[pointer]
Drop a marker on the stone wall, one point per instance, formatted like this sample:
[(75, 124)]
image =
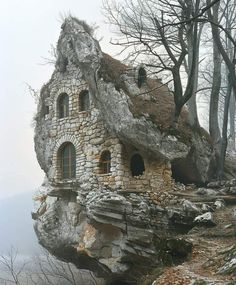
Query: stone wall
[(87, 132)]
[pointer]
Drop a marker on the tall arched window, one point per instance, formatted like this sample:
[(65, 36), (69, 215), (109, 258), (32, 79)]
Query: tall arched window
[(84, 103), (63, 106), (105, 162), (142, 76), (137, 165), (68, 161)]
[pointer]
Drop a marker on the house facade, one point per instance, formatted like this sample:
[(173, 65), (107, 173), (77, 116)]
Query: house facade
[(79, 146)]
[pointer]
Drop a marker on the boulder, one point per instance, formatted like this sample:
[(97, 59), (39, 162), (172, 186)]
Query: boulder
[(205, 220)]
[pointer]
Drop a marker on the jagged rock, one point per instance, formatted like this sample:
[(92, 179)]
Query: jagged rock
[(206, 192), (229, 267), (215, 184), (190, 207), (231, 182), (232, 190), (108, 233), (234, 214), (205, 220), (222, 183), (224, 191), (219, 204), (206, 208)]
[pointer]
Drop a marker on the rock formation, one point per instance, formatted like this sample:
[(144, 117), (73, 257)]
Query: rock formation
[(113, 223)]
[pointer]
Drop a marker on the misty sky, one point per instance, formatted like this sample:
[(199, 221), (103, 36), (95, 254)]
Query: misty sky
[(27, 30)]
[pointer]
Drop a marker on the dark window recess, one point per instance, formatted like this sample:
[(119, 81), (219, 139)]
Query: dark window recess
[(84, 103), (68, 161), (142, 76), (63, 105), (137, 165), (44, 110), (105, 162)]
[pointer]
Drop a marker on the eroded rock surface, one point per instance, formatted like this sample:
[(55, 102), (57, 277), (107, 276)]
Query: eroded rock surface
[(109, 233), (124, 236)]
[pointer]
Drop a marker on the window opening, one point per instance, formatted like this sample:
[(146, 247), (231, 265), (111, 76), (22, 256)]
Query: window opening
[(63, 105), (84, 103), (142, 76), (137, 165), (105, 162), (68, 161)]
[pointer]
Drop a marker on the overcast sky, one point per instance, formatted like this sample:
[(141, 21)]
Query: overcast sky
[(27, 30)]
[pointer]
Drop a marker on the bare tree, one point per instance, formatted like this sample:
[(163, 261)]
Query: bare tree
[(43, 269), (50, 271), (8, 264), (168, 34), (192, 105), (222, 19)]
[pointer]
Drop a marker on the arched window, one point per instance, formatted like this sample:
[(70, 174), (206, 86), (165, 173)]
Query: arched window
[(142, 76), (63, 106), (105, 162), (68, 161), (137, 165), (84, 103)]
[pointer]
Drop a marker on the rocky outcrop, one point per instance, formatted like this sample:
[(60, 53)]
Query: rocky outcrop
[(116, 234), (124, 236), (109, 233)]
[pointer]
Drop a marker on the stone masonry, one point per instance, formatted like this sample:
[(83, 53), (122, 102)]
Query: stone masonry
[(88, 133)]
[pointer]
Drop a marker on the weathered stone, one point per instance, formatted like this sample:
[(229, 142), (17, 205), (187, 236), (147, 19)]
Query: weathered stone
[(110, 228), (232, 190), (229, 267), (206, 208), (219, 204), (190, 207), (205, 220), (206, 192)]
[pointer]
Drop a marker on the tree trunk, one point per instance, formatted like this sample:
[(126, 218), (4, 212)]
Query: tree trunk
[(192, 103), (214, 103), (229, 59), (232, 111), (224, 130)]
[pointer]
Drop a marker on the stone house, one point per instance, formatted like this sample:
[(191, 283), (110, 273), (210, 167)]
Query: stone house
[(84, 150), (102, 126), (75, 143)]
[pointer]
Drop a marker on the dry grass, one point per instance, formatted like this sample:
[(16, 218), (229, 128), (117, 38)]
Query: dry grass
[(111, 69), (154, 100)]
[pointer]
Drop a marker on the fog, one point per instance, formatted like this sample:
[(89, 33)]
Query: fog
[(28, 29)]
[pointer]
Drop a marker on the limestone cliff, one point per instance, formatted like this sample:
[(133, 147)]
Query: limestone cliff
[(97, 213)]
